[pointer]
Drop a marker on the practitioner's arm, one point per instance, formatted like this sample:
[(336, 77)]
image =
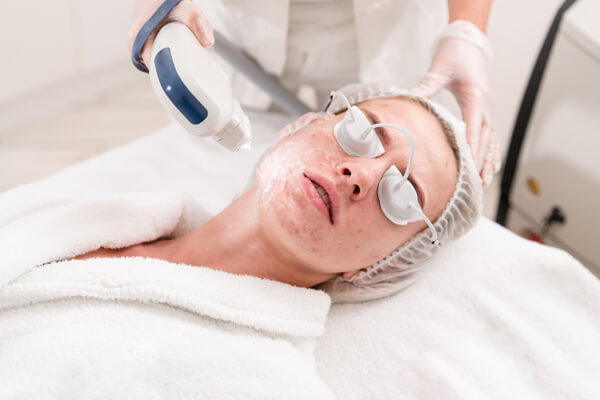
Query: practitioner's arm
[(475, 11)]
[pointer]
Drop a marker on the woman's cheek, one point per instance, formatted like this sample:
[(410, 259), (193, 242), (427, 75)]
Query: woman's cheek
[(296, 235), (366, 237), (280, 196), (274, 177)]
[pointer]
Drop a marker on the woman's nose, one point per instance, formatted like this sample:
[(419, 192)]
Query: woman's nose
[(360, 177)]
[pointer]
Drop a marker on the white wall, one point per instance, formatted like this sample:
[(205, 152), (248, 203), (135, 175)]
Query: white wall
[(516, 30), (102, 28), (49, 42), (37, 42)]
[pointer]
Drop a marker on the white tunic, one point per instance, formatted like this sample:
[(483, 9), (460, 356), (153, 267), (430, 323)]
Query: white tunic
[(334, 61), (311, 41)]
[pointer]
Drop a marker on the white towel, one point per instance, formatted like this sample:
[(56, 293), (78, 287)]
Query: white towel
[(139, 328), (52, 229)]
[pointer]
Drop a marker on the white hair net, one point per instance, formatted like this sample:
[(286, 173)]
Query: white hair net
[(398, 270)]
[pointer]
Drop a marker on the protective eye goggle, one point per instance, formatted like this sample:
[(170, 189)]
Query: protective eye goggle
[(398, 198)]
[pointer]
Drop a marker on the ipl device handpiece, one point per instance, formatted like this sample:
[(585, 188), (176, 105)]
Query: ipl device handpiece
[(195, 89)]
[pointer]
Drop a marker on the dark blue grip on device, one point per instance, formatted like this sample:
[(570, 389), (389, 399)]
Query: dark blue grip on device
[(175, 89)]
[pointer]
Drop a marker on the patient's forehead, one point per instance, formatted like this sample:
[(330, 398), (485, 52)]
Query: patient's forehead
[(416, 116), (405, 112), (419, 119)]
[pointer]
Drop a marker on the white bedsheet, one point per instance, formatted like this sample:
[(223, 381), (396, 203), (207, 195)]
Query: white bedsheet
[(494, 317)]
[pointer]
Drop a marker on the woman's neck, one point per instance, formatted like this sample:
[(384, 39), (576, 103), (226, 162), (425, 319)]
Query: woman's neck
[(234, 242)]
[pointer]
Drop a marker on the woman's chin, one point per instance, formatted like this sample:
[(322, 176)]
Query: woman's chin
[(297, 227)]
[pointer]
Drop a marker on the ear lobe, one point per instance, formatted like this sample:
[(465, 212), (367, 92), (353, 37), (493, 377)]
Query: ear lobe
[(350, 274)]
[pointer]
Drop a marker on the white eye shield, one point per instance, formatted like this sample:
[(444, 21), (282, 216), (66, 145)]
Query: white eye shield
[(398, 270)]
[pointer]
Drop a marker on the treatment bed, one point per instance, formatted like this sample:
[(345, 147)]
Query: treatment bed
[(493, 317)]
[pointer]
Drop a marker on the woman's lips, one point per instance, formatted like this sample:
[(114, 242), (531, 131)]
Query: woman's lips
[(315, 197)]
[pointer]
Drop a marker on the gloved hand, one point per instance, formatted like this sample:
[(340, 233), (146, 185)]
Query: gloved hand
[(460, 64), (185, 12)]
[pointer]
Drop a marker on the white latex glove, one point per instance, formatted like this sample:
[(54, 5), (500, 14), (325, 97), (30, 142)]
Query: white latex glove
[(460, 63), (185, 12)]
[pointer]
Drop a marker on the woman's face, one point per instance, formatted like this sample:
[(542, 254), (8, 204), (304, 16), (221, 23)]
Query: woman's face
[(357, 233)]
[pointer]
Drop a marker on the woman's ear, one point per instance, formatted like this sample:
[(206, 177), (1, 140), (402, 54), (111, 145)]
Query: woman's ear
[(350, 274)]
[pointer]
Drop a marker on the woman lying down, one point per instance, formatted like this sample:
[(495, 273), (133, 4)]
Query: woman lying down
[(353, 202)]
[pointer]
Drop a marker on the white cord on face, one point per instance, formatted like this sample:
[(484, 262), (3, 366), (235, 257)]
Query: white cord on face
[(398, 185), (412, 147), (434, 235), (332, 95)]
